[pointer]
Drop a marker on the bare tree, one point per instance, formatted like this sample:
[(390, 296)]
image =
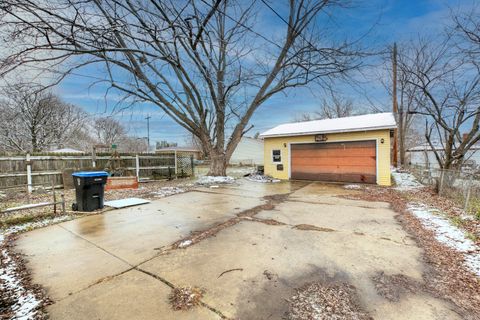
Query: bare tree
[(203, 62), (133, 144), (108, 131), (35, 120), (450, 98), (336, 107), (333, 106), (409, 98)]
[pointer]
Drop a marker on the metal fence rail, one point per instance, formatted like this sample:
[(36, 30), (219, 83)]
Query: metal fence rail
[(460, 186)]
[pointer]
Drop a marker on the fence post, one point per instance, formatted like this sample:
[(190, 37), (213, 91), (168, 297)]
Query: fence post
[(63, 202), (94, 157), (192, 166), (54, 197), (29, 174), (137, 167), (176, 166), (467, 198)]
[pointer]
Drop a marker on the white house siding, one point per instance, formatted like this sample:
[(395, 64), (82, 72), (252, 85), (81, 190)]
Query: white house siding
[(248, 152), (427, 158)]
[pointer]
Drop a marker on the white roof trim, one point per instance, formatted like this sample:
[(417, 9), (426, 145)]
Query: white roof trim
[(367, 122)]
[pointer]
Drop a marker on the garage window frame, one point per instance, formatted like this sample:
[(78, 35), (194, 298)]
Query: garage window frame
[(279, 155)]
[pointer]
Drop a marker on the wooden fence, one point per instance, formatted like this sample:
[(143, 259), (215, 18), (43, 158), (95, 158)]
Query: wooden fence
[(43, 170)]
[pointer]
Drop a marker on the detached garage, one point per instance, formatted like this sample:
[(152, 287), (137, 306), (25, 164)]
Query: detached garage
[(352, 149)]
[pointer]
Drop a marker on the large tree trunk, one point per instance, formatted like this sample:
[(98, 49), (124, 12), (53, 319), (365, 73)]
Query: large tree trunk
[(218, 164)]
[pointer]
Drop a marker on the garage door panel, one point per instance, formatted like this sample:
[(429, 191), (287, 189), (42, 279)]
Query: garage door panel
[(350, 162), (338, 161), (350, 152), (336, 177), (336, 169)]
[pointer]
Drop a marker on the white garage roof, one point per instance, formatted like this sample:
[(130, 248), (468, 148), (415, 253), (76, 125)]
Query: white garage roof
[(367, 122)]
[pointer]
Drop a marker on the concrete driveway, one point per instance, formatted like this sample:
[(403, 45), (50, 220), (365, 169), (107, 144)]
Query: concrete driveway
[(122, 265)]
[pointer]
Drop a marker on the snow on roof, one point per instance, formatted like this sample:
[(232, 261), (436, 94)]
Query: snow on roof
[(365, 122), (66, 150), (180, 149)]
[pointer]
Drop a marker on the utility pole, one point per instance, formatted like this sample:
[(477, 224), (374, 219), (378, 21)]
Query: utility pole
[(395, 103), (148, 132)]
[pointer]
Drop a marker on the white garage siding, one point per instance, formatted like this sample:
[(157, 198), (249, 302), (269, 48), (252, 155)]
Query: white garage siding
[(248, 152)]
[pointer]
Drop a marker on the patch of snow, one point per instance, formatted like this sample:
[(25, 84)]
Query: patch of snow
[(26, 304), (185, 243), (405, 181), (35, 224), (261, 178), (352, 186), (208, 180), (346, 124), (167, 191), (448, 234), (240, 170)]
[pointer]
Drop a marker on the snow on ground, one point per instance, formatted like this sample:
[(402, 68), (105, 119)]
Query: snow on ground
[(185, 243), (448, 234), (26, 304), (261, 178), (352, 186), (209, 180), (167, 191), (405, 181)]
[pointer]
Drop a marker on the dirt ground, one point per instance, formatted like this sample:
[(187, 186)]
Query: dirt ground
[(290, 250)]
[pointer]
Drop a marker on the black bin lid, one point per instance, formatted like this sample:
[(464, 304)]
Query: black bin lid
[(90, 174)]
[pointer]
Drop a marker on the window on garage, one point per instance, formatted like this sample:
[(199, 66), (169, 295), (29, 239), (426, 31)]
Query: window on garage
[(276, 156)]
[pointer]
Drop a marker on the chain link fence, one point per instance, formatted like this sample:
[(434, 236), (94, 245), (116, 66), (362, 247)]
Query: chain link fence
[(460, 186)]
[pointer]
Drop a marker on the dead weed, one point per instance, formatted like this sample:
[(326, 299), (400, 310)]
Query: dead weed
[(325, 301), (185, 298)]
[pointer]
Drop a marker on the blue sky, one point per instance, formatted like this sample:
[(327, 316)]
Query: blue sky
[(392, 20)]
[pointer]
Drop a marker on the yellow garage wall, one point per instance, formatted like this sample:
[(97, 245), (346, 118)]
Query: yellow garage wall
[(282, 143)]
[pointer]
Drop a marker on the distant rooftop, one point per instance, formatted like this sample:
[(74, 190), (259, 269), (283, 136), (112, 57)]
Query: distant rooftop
[(182, 149), (367, 122)]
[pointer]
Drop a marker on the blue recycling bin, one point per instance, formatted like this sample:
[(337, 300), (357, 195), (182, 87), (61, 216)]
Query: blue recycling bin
[(89, 190)]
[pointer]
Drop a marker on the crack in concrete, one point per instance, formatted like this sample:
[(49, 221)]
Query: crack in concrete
[(224, 193), (272, 201), (309, 227), (334, 204)]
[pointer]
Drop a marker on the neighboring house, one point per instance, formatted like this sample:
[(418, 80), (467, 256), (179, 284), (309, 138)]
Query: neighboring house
[(249, 151), (195, 152), (350, 149), (67, 150), (424, 156)]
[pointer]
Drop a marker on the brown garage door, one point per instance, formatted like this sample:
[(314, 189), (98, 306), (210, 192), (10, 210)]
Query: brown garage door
[(353, 161)]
